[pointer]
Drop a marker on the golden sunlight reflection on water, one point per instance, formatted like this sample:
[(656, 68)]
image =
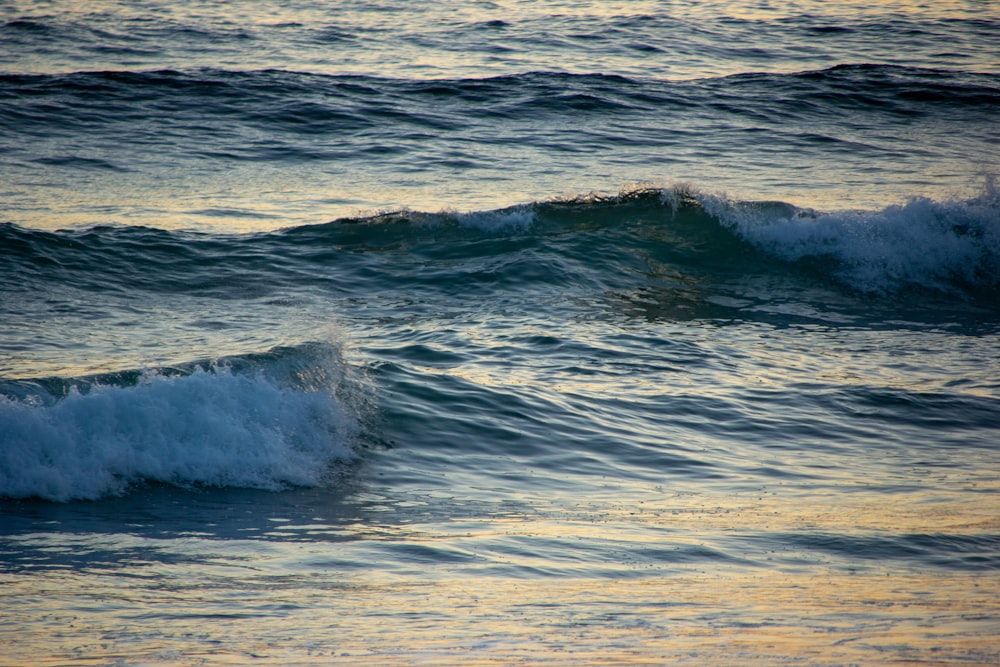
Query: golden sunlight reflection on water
[(516, 589), (705, 617)]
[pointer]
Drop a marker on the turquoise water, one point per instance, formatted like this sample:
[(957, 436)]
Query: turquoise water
[(561, 333)]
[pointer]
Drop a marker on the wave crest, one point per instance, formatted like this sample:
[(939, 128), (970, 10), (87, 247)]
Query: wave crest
[(941, 245), (214, 426)]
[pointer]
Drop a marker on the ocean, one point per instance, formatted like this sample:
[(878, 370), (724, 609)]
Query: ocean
[(491, 333)]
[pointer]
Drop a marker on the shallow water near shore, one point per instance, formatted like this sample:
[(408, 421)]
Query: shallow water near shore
[(562, 333)]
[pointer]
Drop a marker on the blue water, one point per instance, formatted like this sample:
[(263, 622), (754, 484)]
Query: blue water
[(566, 333)]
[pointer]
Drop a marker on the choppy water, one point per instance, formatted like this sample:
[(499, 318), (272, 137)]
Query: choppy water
[(384, 333)]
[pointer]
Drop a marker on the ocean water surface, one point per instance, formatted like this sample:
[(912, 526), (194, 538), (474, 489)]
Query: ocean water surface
[(499, 333)]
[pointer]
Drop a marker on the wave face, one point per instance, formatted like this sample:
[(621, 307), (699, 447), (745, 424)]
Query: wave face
[(67, 439)]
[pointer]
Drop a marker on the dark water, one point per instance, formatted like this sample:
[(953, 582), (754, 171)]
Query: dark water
[(245, 150), (385, 334)]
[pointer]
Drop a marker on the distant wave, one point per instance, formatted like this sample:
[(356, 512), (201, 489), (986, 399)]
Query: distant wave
[(223, 103), (951, 246), (341, 143), (238, 424)]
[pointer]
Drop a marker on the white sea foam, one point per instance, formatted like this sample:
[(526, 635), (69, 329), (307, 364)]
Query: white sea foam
[(513, 219), (923, 242), (214, 428)]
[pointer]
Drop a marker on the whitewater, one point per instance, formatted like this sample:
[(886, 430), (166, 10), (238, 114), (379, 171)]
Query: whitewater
[(492, 333)]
